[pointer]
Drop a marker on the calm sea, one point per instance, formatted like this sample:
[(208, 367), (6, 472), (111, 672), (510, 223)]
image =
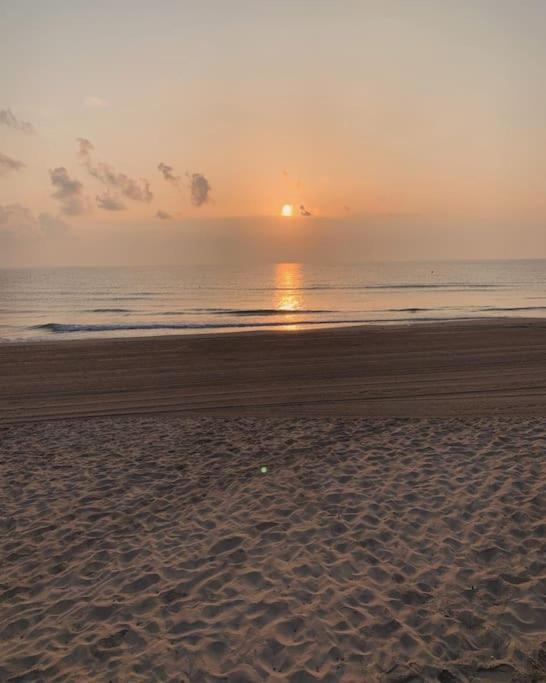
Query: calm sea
[(58, 303)]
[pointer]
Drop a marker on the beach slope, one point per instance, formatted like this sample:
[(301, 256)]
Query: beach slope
[(486, 367)]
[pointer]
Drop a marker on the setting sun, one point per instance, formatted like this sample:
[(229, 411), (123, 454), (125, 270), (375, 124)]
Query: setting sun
[(287, 210)]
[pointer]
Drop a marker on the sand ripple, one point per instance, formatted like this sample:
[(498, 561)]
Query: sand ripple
[(154, 549)]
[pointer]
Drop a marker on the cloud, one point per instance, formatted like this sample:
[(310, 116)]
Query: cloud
[(109, 202), (52, 225), (8, 118), (167, 172), (199, 188), (137, 190), (18, 218), (8, 164), (163, 215), (69, 192), (26, 238), (96, 103), (84, 152), (304, 211)]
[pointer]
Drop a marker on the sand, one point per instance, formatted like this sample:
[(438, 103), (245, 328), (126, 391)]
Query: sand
[(153, 548), (485, 367)]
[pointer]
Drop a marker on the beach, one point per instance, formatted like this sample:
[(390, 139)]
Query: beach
[(273, 342), (156, 548), (355, 504), (484, 367)]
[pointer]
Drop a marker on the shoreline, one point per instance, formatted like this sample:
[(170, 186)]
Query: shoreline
[(479, 367), (313, 327), (98, 332)]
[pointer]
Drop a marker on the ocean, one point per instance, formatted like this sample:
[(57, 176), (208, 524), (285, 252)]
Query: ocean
[(68, 303)]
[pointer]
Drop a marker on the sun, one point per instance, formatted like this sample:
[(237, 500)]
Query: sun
[(287, 210)]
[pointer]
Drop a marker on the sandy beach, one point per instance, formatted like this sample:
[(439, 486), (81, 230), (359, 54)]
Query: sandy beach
[(250, 508), (483, 367), (273, 341), (155, 549)]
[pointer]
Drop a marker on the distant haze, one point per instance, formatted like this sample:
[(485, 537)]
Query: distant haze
[(175, 132)]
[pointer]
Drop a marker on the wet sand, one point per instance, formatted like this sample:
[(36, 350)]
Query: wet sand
[(495, 367)]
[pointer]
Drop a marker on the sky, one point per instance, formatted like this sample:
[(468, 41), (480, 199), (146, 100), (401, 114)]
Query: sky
[(175, 131)]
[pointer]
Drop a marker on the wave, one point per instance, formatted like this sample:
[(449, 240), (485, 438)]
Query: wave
[(513, 308), (113, 327), (108, 310), (127, 297), (9, 311), (453, 286), (469, 309), (328, 285), (63, 328), (407, 310), (263, 311), (241, 312)]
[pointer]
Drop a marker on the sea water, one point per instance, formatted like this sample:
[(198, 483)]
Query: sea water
[(62, 303)]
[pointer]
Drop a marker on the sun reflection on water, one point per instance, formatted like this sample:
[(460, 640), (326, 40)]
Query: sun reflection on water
[(287, 296)]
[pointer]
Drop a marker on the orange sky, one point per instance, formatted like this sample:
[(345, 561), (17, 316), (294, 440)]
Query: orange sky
[(432, 110)]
